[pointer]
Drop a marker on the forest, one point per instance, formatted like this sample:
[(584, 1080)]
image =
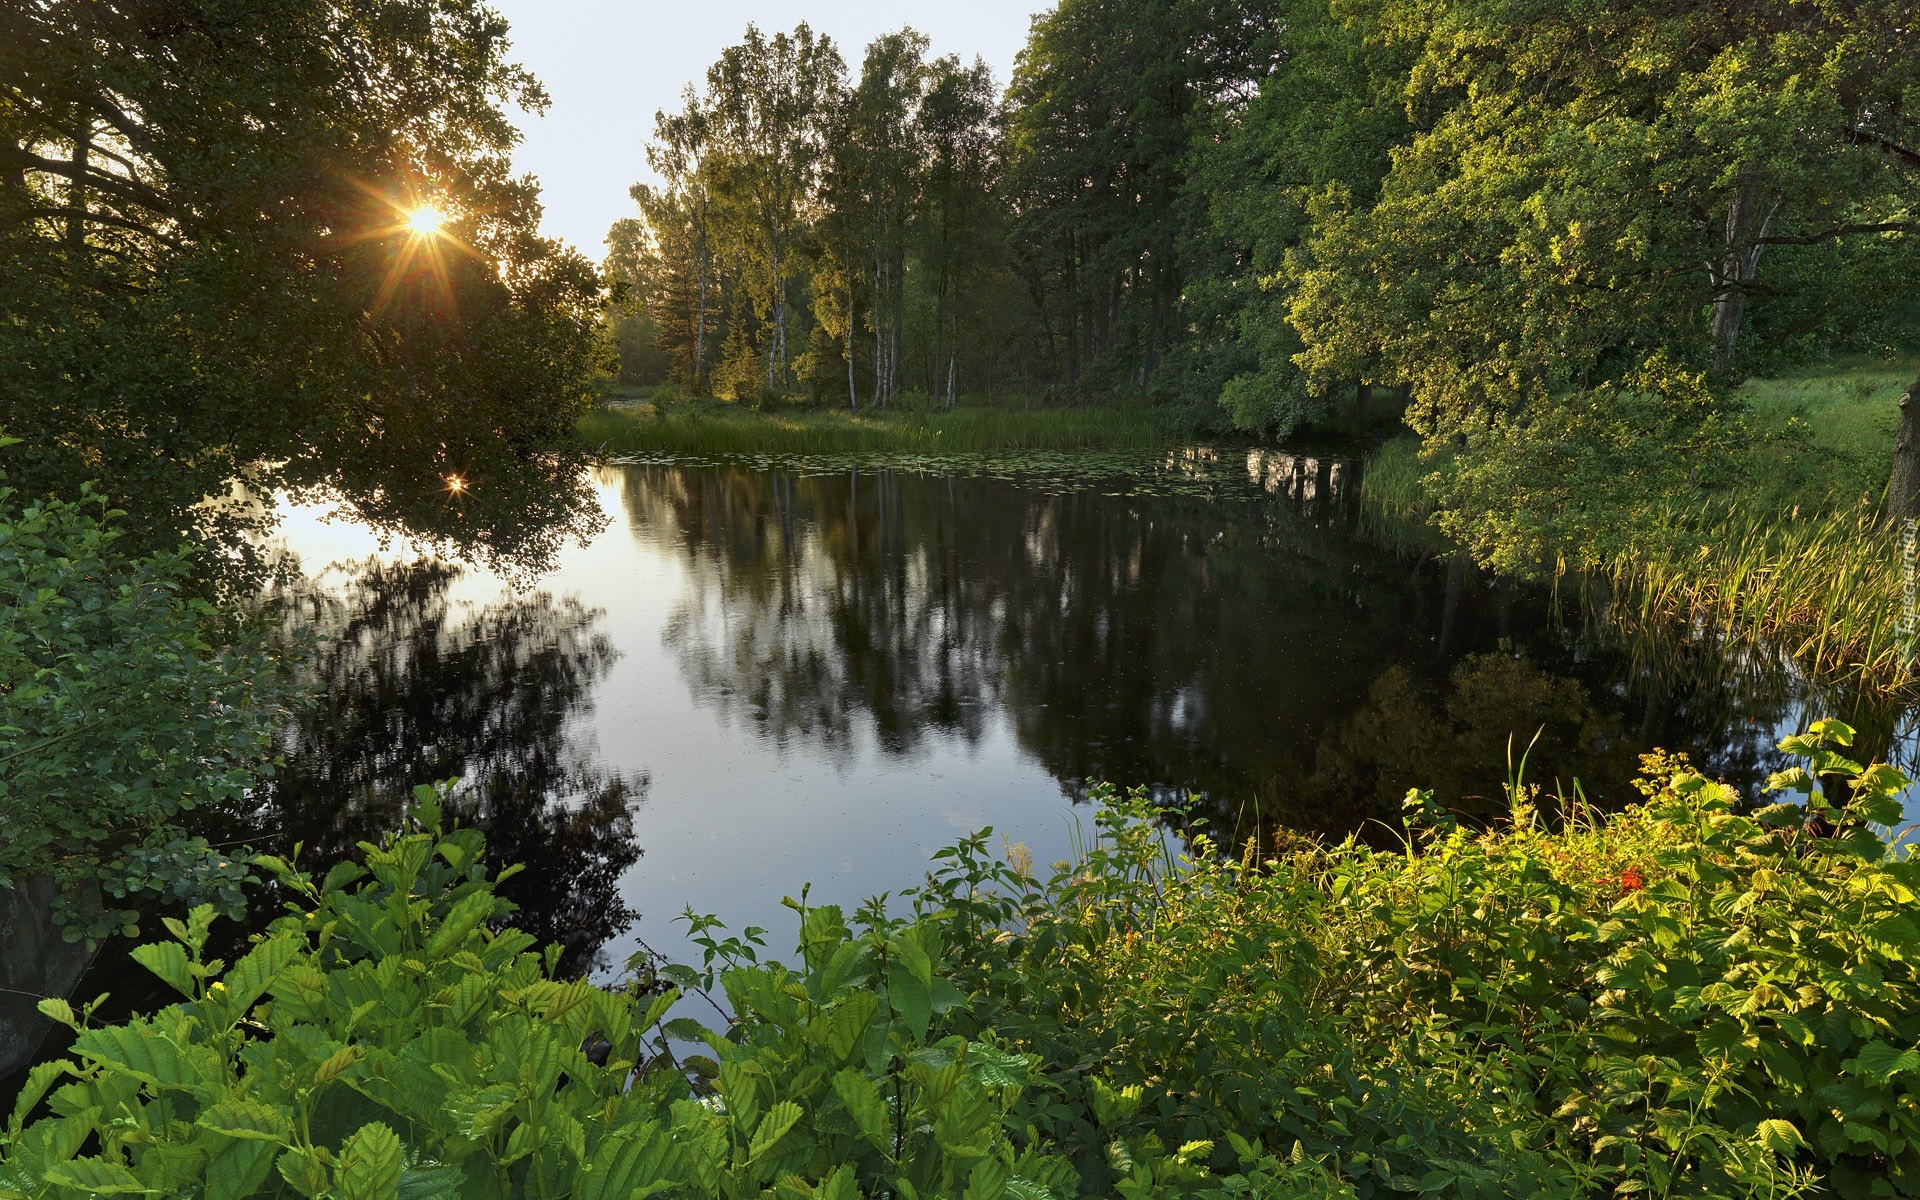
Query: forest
[(1301, 599), (1524, 227)]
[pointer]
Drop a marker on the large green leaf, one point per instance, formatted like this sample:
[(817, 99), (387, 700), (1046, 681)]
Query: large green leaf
[(628, 1165), (370, 1164), (99, 1177), (247, 1119), (140, 1051)]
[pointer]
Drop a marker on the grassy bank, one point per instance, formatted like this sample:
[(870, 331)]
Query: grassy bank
[(1675, 1001), (1794, 556), (714, 427)]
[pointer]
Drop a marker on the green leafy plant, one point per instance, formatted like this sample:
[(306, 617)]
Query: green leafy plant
[(118, 713), (1691, 998)]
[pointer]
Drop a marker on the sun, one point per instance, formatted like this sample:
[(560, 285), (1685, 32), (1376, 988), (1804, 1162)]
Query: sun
[(426, 221)]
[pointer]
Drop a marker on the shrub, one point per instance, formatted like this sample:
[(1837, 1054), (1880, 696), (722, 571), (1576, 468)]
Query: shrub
[(117, 714), (1687, 999)]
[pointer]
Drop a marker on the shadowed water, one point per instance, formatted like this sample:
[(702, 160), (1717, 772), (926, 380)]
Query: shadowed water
[(756, 678)]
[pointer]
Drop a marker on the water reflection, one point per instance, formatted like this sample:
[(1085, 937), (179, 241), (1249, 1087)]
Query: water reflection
[(1260, 653), (415, 688)]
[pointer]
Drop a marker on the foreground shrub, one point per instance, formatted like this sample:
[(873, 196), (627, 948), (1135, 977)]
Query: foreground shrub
[(118, 715), (1685, 999)]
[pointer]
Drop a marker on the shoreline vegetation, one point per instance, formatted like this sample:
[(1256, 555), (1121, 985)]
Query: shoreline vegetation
[(1682, 999), (1797, 556), (646, 420), (1805, 565)]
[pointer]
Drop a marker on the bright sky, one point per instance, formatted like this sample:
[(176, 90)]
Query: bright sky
[(608, 65)]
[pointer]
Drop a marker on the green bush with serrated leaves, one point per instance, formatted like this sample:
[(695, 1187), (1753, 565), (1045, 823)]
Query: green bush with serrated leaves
[(1686, 999)]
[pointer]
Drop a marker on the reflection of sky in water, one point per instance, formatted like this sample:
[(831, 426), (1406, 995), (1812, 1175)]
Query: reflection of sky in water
[(733, 822), (743, 810)]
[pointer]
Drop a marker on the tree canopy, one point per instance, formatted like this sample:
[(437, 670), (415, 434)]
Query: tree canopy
[(277, 244), (1559, 236)]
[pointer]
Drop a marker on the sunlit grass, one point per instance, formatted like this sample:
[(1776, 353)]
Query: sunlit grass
[(713, 428), (1794, 558)]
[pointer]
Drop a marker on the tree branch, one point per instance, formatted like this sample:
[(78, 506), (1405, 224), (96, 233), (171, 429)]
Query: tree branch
[(1855, 136), (1839, 231)]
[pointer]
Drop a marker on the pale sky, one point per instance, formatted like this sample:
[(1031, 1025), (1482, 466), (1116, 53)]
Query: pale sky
[(609, 64)]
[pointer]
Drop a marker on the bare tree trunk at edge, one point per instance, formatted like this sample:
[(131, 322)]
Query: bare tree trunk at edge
[(1903, 483)]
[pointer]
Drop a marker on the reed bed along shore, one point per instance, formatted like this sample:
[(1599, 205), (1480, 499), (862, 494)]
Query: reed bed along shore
[(1823, 584), (1827, 586), (714, 428)]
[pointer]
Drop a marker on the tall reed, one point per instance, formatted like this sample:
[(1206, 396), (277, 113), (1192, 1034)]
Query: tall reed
[(1820, 585), (1826, 586)]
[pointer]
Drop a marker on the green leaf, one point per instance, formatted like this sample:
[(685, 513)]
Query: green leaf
[(1779, 1136), (864, 1105), (988, 1180), (140, 1051), (56, 1009), (912, 999), (238, 1169), (627, 1166), (247, 1119), (38, 1081), (98, 1177), (305, 1173), (1881, 1062), (255, 973), (467, 916), (370, 1164), (168, 960), (431, 1182), (780, 1118)]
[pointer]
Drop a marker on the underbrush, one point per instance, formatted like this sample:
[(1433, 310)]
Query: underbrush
[(1794, 556), (692, 427), (1684, 999)]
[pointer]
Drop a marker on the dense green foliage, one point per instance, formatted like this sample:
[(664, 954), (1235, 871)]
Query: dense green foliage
[(1559, 238), (213, 279), (1685, 998), (117, 715)]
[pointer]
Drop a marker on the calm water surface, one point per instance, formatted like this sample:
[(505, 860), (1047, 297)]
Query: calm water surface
[(754, 679)]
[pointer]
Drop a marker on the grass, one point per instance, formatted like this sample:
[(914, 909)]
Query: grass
[(715, 427), (1795, 559), (1850, 405)]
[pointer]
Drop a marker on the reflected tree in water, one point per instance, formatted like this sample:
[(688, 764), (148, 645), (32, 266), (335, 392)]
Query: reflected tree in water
[(415, 688)]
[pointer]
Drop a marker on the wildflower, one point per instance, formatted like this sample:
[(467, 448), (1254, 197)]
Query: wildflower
[(1631, 880)]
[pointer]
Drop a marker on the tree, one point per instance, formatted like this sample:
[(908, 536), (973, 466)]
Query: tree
[(1105, 102), (1605, 218), (213, 205), (765, 110), (959, 119), (882, 128), (118, 715)]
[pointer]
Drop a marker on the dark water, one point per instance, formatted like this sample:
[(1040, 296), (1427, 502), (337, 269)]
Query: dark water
[(755, 679)]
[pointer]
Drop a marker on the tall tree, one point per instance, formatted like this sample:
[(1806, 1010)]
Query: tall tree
[(767, 104), (959, 118), (882, 125), (1599, 207), (215, 202)]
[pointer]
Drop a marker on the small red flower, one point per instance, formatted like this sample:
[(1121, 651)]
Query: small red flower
[(1631, 880)]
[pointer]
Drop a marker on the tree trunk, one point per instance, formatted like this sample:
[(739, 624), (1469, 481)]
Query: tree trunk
[(1745, 227), (853, 393), (1903, 484), (76, 188)]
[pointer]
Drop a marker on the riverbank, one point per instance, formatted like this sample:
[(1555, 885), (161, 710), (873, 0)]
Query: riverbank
[(637, 423), (1663, 1001), (1794, 555)]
